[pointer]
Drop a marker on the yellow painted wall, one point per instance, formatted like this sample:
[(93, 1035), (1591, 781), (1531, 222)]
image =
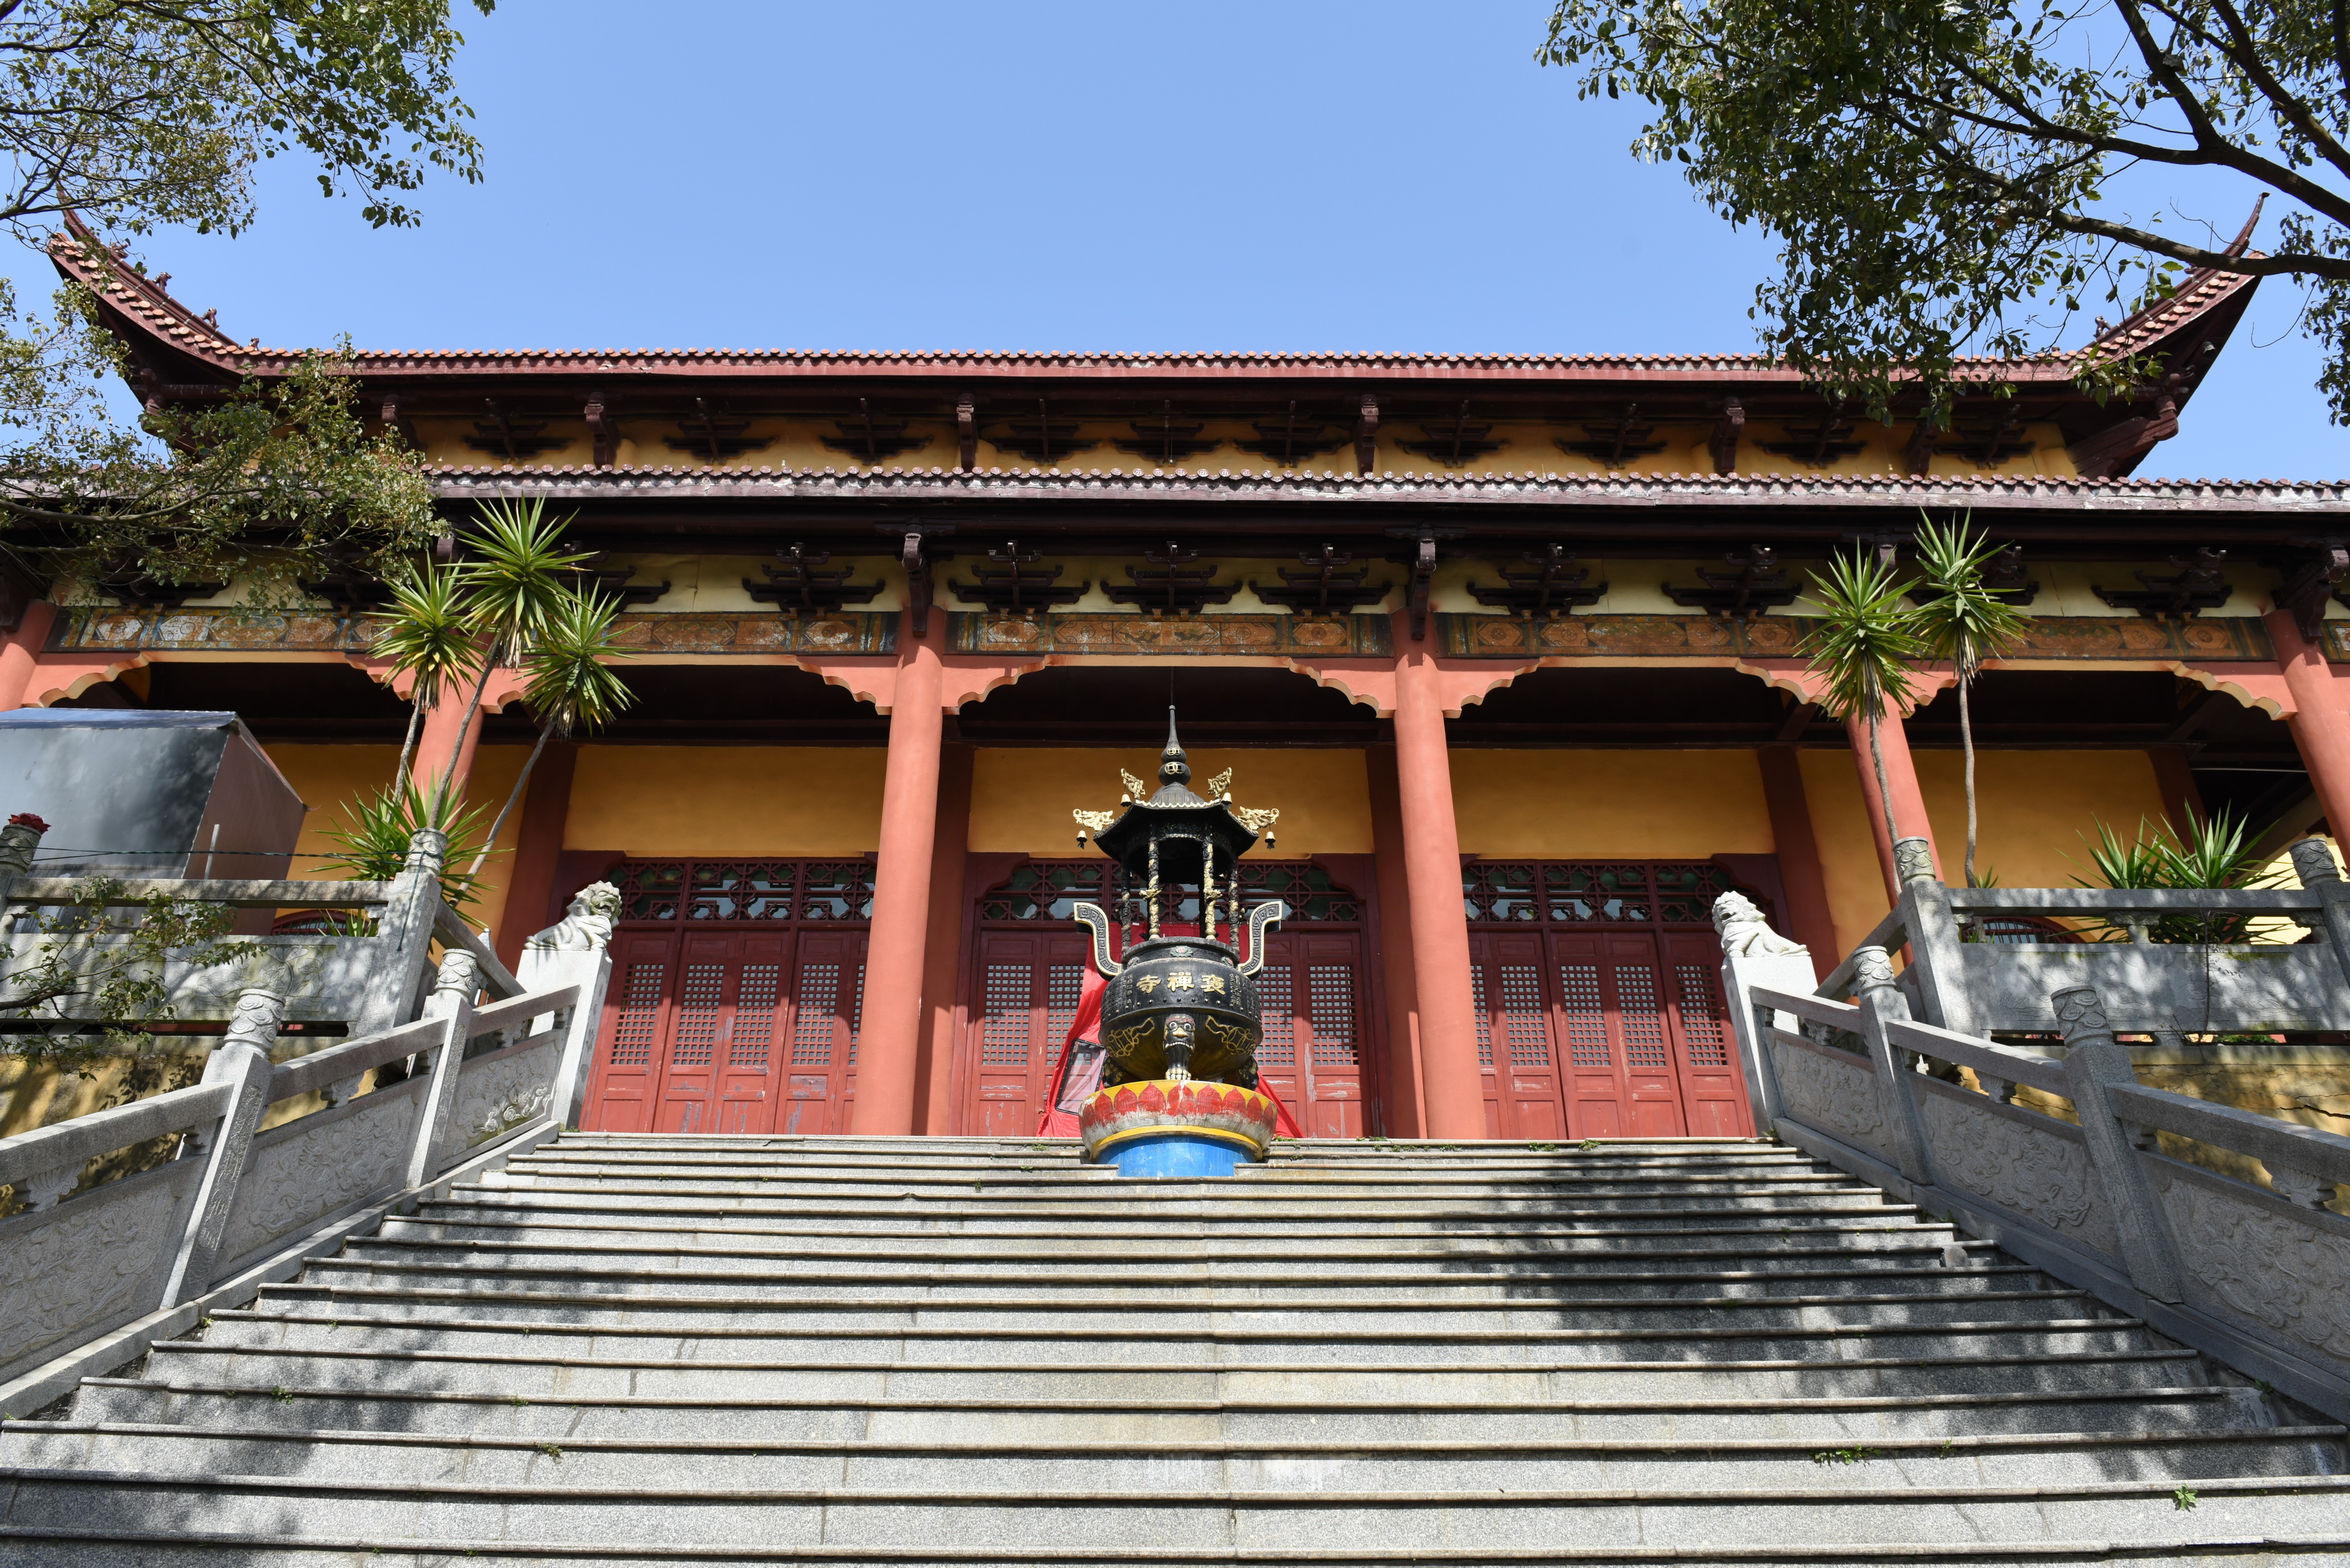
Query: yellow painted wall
[(1021, 797), (2034, 807), (1641, 805), (328, 778), (727, 800)]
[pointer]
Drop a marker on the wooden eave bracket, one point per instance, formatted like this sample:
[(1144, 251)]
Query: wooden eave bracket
[(1549, 582), (914, 552), (1722, 446), (1366, 435), (2315, 579), (1423, 562), (2198, 585)]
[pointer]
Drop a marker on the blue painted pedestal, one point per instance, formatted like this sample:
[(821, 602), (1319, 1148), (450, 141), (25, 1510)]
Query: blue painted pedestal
[(1175, 1154)]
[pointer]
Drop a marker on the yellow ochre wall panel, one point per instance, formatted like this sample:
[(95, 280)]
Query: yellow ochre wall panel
[(1583, 806), (2034, 807), (1021, 797), (727, 800), (328, 778)]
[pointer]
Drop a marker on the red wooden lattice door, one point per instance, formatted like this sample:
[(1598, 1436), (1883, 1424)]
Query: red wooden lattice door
[(736, 990), (1598, 1005), (1313, 993), (1029, 983), (1310, 999)]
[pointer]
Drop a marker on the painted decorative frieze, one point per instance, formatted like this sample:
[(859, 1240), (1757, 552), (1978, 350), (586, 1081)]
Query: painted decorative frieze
[(1782, 637), (129, 631), (1316, 636)]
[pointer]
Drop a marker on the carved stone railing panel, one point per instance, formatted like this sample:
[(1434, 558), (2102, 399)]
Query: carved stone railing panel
[(318, 1165), (2029, 1164), (2152, 989), (1833, 1090), (2260, 1260), (506, 1089), (85, 1267)]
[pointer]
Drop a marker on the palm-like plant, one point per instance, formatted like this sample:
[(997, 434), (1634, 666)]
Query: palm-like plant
[(513, 580), (372, 840), (571, 684), (424, 635), (2217, 852), (1962, 620), (1861, 646)]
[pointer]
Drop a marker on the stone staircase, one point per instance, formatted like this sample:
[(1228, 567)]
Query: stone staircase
[(638, 1350)]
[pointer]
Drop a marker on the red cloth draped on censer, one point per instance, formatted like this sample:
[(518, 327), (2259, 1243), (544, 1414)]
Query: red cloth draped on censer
[(1082, 1048)]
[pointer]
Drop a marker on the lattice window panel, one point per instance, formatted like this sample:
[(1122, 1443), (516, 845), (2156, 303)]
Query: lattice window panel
[(1004, 1036), (1707, 1043), (1330, 1007), (1646, 1049), (1583, 1017), (653, 890), (1485, 1019), (1313, 899), (1063, 984), (1612, 891), (634, 1032), (1047, 890), (836, 890), (717, 890), (1522, 1024), (756, 994), (1276, 1017), (695, 1040), (819, 1006), (1500, 892)]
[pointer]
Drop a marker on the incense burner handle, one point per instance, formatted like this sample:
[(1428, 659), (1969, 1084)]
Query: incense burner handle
[(1262, 919), (1095, 920)]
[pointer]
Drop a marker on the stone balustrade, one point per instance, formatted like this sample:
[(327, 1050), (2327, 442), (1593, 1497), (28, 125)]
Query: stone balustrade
[(2256, 1275)]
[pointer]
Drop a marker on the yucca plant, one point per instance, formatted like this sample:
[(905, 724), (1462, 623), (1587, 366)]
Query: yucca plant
[(514, 584), (1862, 646), (2217, 854), (1962, 620), (372, 841), (571, 684), (425, 634)]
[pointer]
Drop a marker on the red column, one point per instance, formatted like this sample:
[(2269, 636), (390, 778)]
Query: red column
[(538, 851), (942, 967), (20, 653), (439, 738), (1908, 802), (2321, 729), (1809, 918), (1451, 1088), (1406, 1114), (889, 1045)]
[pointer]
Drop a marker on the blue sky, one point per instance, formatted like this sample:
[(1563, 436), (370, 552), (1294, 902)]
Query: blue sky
[(1301, 175)]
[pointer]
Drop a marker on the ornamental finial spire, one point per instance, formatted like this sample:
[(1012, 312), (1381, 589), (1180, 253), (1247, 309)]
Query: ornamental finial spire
[(1174, 768)]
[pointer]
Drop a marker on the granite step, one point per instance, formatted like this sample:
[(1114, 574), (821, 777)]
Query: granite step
[(1141, 1466), (1401, 1413), (1838, 1504), (2120, 1373)]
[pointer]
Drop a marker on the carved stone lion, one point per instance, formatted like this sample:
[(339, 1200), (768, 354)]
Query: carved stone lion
[(587, 922), (1746, 934)]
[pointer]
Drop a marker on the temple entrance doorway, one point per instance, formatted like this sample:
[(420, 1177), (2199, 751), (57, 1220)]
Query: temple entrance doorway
[(1028, 967), (1598, 1000), (736, 990)]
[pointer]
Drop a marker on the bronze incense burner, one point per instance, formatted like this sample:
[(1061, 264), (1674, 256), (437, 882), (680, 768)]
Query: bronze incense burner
[(1181, 1007)]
